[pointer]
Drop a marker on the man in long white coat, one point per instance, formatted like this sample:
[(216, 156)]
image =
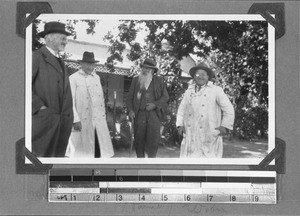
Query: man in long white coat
[(89, 112), (204, 116)]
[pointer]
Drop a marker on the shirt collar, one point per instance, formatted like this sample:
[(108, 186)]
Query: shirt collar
[(52, 51)]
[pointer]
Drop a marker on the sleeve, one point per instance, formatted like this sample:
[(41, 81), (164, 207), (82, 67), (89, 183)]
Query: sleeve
[(161, 103), (181, 110), (227, 109), (72, 80), (37, 103)]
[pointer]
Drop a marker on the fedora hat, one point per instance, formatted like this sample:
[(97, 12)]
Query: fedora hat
[(149, 63), (202, 66), (54, 27), (88, 57)]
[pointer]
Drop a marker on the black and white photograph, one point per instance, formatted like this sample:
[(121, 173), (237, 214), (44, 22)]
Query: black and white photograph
[(150, 89)]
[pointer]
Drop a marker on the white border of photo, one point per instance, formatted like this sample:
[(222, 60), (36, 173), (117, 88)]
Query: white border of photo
[(154, 161)]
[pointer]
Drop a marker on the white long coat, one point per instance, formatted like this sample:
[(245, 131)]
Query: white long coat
[(200, 113), (89, 109)]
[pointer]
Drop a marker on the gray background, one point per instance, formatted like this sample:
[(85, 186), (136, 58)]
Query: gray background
[(26, 194)]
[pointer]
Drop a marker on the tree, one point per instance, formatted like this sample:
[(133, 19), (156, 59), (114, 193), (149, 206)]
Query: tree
[(237, 51)]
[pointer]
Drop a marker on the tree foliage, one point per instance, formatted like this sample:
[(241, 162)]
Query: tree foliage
[(236, 50)]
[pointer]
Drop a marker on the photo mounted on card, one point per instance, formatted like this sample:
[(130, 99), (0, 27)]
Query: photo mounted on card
[(180, 89)]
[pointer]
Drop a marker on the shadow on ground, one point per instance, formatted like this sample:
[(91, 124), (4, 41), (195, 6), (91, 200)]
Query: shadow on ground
[(245, 149), (232, 149)]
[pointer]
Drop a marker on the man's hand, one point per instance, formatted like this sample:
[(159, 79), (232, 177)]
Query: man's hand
[(150, 106), (223, 130), (180, 130), (77, 126), (131, 115), (43, 107)]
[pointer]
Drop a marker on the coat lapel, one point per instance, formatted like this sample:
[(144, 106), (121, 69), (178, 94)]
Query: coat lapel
[(51, 59)]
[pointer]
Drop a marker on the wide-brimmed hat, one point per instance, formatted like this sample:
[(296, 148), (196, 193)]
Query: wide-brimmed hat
[(54, 27), (150, 63), (202, 66), (88, 57)]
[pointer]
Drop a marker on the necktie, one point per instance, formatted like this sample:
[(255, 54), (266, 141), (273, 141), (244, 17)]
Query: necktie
[(60, 63)]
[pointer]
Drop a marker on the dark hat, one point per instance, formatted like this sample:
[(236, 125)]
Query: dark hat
[(202, 66), (88, 57), (150, 63), (53, 27)]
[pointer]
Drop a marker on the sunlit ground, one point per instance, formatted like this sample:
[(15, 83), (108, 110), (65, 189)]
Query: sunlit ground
[(232, 149)]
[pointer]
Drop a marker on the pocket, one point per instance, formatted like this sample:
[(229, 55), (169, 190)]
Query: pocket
[(44, 112)]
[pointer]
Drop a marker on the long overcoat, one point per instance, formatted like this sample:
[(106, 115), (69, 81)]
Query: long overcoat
[(89, 109), (51, 127), (201, 113)]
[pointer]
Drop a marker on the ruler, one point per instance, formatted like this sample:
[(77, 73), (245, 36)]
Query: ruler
[(159, 186)]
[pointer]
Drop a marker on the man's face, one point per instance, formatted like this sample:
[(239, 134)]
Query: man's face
[(201, 77), (87, 67), (146, 70), (58, 41)]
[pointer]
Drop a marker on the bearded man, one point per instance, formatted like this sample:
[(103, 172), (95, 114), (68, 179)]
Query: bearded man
[(146, 104)]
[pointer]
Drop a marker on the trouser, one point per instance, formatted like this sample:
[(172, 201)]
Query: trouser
[(146, 133)]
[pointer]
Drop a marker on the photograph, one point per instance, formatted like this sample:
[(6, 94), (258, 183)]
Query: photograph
[(168, 89)]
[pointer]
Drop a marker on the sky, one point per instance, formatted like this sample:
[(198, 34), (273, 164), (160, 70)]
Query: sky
[(101, 29)]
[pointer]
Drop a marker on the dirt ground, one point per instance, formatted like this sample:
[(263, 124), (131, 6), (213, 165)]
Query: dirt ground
[(232, 149)]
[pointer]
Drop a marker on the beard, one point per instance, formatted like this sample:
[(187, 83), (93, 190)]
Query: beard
[(145, 80)]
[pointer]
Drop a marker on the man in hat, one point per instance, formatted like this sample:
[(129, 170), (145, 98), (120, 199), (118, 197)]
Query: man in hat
[(90, 131), (52, 114), (204, 116), (146, 104)]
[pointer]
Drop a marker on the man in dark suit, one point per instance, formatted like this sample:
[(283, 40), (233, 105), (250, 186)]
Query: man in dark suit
[(52, 114), (147, 103)]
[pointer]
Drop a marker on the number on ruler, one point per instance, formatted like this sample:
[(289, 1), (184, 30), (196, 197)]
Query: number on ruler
[(165, 197), (97, 198), (188, 197), (233, 198), (74, 197), (209, 197), (119, 197), (61, 197), (142, 197), (256, 198)]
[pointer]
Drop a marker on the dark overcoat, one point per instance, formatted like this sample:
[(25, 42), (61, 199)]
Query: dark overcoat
[(51, 127), (160, 93)]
